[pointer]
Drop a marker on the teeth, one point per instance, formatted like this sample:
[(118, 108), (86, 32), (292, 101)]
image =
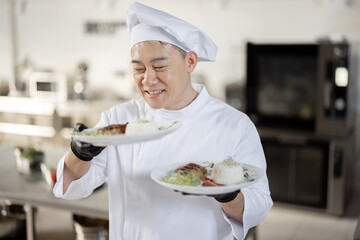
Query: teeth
[(155, 92)]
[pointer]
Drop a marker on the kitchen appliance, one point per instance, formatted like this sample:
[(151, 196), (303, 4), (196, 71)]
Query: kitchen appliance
[(48, 85), (301, 97), (300, 87), (311, 172)]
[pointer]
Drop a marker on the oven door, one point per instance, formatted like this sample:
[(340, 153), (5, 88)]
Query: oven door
[(312, 172), (298, 172)]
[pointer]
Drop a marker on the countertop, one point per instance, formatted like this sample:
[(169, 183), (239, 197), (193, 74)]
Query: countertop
[(15, 187), (76, 109)]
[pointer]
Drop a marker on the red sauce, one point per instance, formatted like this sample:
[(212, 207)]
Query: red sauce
[(208, 182)]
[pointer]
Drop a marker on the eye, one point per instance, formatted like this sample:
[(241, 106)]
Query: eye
[(159, 68), (138, 69)]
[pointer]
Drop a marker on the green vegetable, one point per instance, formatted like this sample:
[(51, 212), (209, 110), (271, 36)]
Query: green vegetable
[(188, 179), (208, 164), (33, 155)]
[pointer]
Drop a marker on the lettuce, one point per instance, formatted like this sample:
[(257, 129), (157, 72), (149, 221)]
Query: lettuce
[(188, 179)]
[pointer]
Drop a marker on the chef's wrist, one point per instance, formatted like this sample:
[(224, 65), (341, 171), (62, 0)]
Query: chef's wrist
[(227, 197), (74, 167)]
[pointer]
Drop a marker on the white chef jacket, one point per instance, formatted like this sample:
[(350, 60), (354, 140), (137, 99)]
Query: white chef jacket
[(139, 208)]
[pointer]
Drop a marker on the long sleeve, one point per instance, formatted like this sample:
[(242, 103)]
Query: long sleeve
[(257, 197), (85, 185)]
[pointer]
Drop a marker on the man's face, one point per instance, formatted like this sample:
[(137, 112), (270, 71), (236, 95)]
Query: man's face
[(162, 75)]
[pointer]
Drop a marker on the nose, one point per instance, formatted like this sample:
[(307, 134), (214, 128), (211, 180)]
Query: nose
[(149, 78)]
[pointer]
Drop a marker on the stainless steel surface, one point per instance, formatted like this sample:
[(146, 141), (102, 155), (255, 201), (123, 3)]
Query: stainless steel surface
[(30, 234), (15, 188), (333, 125), (14, 218), (339, 159), (90, 228), (26, 121), (336, 195)]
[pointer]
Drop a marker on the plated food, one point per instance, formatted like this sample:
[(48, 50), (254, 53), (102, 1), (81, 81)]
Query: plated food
[(227, 172), (223, 173), (191, 178), (190, 174), (125, 133), (142, 126), (138, 126)]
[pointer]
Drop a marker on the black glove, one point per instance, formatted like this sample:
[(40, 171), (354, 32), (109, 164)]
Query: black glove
[(223, 198), (82, 150), (227, 197)]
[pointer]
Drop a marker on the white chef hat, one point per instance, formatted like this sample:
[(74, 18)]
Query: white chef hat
[(146, 24)]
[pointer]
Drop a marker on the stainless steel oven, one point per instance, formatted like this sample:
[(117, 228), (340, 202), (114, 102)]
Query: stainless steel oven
[(302, 98), (310, 171), (304, 87)]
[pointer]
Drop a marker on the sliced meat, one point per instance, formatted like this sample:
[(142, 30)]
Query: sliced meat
[(112, 129), (190, 167)]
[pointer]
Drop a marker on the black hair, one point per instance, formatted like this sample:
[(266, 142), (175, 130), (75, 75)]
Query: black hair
[(182, 52)]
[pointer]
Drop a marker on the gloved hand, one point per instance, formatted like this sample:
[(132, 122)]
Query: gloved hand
[(82, 150), (227, 197), (223, 198)]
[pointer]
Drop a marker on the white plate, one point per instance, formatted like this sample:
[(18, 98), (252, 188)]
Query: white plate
[(254, 175), (164, 127)]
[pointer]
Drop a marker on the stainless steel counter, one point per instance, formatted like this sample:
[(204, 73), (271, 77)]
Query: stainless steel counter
[(45, 121), (15, 187)]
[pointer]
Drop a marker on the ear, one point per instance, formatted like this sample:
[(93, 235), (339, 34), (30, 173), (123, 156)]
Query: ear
[(191, 60)]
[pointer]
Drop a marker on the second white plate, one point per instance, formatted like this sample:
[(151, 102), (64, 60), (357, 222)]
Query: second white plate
[(164, 128), (254, 175)]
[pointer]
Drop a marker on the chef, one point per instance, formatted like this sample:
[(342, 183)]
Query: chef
[(165, 51)]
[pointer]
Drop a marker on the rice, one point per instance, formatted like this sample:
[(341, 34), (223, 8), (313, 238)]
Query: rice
[(141, 126), (227, 172)]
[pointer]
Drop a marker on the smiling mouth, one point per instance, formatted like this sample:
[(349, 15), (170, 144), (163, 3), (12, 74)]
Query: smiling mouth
[(154, 92)]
